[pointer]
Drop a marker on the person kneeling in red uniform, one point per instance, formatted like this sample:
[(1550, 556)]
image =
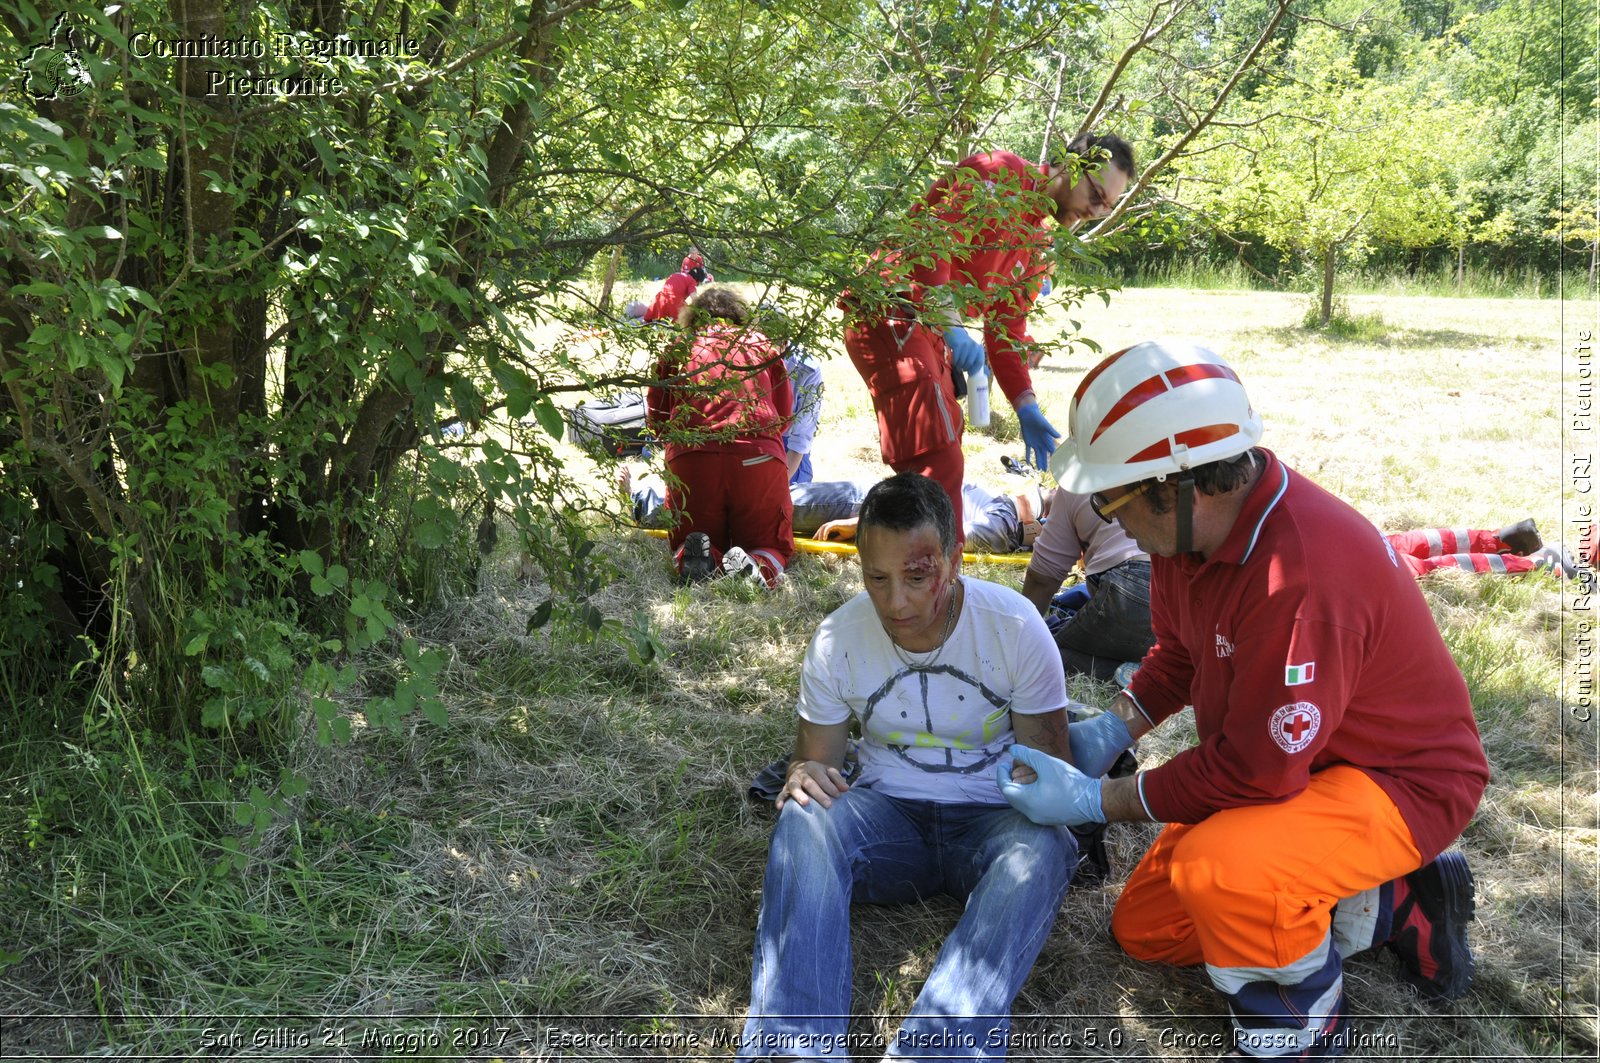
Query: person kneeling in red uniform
[(721, 404), (1337, 754)]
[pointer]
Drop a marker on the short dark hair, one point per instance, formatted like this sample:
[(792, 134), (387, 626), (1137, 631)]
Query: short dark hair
[(715, 303), (1091, 147), (698, 273), (1213, 478), (907, 501)]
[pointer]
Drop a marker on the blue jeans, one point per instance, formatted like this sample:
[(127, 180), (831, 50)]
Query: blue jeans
[(818, 501), (1113, 626), (991, 523), (1010, 873)]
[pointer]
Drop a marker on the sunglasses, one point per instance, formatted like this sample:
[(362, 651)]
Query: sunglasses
[(1104, 509)]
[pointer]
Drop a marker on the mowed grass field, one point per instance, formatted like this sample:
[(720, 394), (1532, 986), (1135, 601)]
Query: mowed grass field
[(572, 868)]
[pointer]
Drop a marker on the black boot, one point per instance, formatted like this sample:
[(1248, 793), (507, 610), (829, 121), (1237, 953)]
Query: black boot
[(1521, 538)]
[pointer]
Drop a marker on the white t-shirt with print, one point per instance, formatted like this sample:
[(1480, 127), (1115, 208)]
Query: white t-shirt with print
[(934, 731)]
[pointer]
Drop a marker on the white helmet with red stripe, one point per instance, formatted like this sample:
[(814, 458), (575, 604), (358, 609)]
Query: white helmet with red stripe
[(1150, 411)]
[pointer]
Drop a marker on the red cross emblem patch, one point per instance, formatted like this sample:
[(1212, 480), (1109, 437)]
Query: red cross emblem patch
[(1294, 726)]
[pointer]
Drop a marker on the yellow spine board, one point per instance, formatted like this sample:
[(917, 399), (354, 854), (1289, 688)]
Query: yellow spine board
[(817, 546)]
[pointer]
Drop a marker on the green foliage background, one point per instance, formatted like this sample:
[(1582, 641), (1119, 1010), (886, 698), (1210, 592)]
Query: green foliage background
[(275, 372), (236, 327)]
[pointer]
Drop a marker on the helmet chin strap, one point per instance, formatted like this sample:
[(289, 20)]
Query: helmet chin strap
[(1185, 512)]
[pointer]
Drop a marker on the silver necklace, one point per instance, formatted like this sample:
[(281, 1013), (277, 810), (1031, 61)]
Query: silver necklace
[(949, 624)]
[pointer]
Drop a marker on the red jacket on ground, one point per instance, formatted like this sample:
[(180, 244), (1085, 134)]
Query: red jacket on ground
[(724, 388), (1302, 643)]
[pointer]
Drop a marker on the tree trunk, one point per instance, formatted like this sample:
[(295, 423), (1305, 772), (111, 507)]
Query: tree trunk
[(214, 378), (1055, 103), (1461, 267), (611, 278), (1329, 258)]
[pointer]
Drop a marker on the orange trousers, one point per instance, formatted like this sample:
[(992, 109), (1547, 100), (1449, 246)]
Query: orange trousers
[(1250, 892)]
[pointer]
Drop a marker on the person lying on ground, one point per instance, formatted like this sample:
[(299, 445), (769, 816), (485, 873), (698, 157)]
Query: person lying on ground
[(942, 673), (1337, 754), (1513, 550)]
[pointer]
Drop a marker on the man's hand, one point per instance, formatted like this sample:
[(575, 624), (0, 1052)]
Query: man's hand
[(837, 531), (1063, 795), (1097, 743), (1038, 435), (966, 353), (810, 780)]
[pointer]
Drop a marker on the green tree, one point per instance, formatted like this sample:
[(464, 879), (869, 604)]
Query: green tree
[(1171, 76), (1330, 164), (268, 311)]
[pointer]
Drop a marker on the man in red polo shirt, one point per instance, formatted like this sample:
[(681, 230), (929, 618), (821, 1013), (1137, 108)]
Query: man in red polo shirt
[(974, 246), (1337, 753)]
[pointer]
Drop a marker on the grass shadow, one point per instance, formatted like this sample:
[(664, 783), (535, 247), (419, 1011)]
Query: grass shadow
[(1292, 336)]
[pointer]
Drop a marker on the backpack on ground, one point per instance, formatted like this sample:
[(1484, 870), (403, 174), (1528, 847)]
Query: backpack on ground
[(611, 427)]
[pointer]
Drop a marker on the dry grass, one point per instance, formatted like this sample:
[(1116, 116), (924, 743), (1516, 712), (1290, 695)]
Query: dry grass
[(624, 862), (575, 856), (588, 817)]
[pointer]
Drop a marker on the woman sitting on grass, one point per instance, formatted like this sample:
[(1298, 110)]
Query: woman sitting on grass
[(720, 407)]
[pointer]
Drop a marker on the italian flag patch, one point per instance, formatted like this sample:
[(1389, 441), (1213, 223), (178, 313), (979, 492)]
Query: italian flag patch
[(1296, 675)]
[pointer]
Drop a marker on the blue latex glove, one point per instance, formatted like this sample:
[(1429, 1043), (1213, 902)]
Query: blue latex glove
[(1097, 743), (1044, 289), (1062, 795), (966, 353), (1038, 435)]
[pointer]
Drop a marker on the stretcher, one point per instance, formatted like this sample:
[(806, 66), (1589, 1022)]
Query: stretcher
[(817, 546)]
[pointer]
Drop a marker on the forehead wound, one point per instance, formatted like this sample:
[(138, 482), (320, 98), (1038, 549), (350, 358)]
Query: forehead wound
[(925, 564)]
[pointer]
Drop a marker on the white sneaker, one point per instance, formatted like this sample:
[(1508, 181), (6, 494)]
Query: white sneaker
[(1554, 558), (1559, 562), (737, 564)]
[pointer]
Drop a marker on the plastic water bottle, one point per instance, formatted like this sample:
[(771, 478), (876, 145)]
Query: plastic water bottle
[(978, 399)]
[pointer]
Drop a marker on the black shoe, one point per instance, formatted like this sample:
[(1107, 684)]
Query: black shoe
[(1094, 859), (1094, 862), (694, 560), (1521, 538), (1433, 907)]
